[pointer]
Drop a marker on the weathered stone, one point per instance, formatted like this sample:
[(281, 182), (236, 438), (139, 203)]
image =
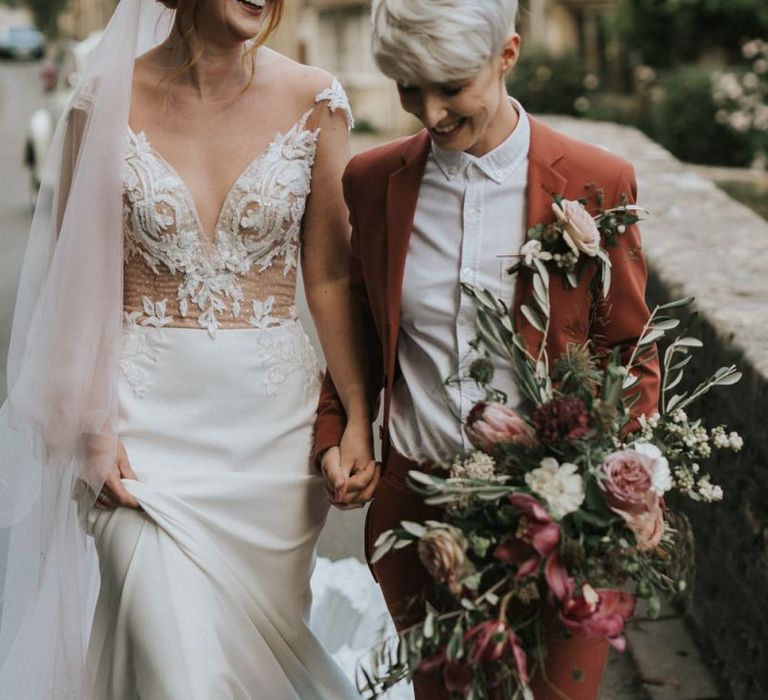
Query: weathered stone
[(699, 242)]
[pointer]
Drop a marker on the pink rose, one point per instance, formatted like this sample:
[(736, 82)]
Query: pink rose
[(629, 481), (536, 537), (493, 424), (598, 613), (630, 492), (580, 231), (648, 528)]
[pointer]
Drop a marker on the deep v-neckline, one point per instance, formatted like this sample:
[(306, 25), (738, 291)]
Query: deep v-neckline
[(299, 125)]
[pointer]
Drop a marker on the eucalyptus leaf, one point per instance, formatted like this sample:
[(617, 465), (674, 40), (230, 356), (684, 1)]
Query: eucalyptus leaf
[(382, 537), (650, 337), (667, 324), (533, 318), (415, 529), (674, 401), (689, 342), (672, 384), (421, 477), (384, 548), (678, 303)]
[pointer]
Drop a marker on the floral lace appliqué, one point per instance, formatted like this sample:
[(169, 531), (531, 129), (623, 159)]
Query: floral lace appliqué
[(139, 341), (258, 228)]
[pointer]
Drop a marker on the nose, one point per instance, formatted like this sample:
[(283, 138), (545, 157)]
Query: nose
[(433, 109)]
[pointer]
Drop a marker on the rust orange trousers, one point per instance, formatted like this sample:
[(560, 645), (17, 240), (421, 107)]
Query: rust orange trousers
[(574, 666)]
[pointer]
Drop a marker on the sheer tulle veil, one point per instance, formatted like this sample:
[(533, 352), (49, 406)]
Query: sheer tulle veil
[(57, 434)]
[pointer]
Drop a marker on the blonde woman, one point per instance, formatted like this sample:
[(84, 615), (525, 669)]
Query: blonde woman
[(182, 389)]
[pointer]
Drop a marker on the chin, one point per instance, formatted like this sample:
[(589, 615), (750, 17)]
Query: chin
[(247, 17)]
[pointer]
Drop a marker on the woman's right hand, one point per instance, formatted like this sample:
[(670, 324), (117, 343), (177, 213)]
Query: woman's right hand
[(113, 493), (350, 471)]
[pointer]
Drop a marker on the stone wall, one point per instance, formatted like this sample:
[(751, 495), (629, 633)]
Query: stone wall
[(701, 243)]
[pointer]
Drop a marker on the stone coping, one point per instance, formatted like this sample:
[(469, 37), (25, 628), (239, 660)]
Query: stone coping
[(699, 241)]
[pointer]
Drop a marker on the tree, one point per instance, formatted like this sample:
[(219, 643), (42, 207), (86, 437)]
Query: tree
[(666, 32), (46, 14)]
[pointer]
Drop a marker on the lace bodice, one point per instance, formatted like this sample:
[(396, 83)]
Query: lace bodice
[(241, 275)]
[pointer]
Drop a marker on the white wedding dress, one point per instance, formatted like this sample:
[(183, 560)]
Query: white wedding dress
[(205, 595)]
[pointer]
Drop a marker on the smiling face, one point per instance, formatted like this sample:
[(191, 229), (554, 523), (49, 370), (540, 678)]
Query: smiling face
[(226, 20), (473, 115)]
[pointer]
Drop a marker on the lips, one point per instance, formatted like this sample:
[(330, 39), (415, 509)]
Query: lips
[(253, 7), (446, 131)]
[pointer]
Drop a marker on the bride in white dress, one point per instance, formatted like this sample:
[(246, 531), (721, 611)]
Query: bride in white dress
[(205, 522)]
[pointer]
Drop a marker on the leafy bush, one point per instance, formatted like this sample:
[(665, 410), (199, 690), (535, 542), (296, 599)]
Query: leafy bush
[(549, 85), (666, 32), (684, 121)]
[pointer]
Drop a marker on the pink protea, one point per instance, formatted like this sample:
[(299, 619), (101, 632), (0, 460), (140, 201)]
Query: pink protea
[(492, 424)]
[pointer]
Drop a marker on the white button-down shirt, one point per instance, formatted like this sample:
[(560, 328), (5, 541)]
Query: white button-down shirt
[(469, 222)]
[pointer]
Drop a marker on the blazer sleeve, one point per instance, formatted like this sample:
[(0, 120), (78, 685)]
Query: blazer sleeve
[(331, 416), (620, 318)]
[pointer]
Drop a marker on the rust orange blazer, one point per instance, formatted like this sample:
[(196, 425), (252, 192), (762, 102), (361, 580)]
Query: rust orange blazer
[(381, 188)]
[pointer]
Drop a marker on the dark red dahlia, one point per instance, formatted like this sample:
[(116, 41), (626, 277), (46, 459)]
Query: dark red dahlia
[(564, 419)]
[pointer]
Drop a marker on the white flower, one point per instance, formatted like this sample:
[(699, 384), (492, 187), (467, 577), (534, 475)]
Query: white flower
[(561, 486), (532, 251), (478, 466), (661, 480)]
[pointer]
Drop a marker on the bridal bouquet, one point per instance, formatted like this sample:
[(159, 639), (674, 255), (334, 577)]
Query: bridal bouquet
[(559, 516)]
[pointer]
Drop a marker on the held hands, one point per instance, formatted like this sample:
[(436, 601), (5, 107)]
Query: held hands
[(351, 474), (113, 494)]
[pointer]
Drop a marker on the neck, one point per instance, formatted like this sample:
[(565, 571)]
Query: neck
[(218, 72), (504, 122)]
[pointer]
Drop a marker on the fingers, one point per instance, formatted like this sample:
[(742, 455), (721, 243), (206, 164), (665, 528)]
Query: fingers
[(116, 493), (335, 473), (361, 488), (125, 469)]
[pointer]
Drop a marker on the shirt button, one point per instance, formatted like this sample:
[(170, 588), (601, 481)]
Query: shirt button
[(499, 173)]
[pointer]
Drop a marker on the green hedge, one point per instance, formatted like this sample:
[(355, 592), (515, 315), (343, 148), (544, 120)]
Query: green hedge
[(548, 85), (683, 121)]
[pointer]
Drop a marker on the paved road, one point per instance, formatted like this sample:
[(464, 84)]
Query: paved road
[(19, 97)]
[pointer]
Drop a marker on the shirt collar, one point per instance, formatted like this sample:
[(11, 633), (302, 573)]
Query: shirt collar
[(497, 164)]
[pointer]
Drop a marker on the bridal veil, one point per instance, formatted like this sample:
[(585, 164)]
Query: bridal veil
[(57, 437)]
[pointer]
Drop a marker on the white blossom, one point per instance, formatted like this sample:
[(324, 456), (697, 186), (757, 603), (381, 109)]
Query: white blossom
[(560, 485)]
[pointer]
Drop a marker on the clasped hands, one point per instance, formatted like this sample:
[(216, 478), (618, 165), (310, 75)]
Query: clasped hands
[(350, 471)]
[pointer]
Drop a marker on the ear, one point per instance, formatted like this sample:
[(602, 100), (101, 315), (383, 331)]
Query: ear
[(510, 52)]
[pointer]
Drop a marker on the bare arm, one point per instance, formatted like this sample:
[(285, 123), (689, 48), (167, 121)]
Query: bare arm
[(337, 315)]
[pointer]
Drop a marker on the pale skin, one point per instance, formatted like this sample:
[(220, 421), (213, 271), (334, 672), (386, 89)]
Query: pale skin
[(210, 123), (484, 118)]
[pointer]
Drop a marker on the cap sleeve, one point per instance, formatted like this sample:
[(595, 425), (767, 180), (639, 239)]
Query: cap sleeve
[(336, 98)]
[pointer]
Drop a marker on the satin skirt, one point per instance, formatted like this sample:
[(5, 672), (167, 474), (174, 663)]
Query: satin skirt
[(205, 593)]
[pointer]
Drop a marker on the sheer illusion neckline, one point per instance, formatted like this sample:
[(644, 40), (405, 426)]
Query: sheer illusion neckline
[(298, 125)]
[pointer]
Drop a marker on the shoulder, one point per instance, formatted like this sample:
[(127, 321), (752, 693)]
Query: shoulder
[(381, 160), (306, 83), (580, 159)]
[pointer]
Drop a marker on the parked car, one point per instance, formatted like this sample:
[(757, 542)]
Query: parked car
[(59, 77), (22, 43)]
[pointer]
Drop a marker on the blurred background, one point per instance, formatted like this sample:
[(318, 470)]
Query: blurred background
[(680, 87)]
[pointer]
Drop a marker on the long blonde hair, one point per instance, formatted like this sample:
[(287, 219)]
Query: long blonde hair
[(185, 8)]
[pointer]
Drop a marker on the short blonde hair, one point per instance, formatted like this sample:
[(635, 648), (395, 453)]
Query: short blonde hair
[(439, 41)]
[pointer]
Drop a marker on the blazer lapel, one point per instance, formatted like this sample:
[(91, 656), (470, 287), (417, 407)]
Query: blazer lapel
[(402, 197), (543, 182)]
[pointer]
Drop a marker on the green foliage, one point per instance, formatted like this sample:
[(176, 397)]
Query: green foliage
[(754, 195), (46, 14), (664, 33), (684, 122), (548, 85)]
